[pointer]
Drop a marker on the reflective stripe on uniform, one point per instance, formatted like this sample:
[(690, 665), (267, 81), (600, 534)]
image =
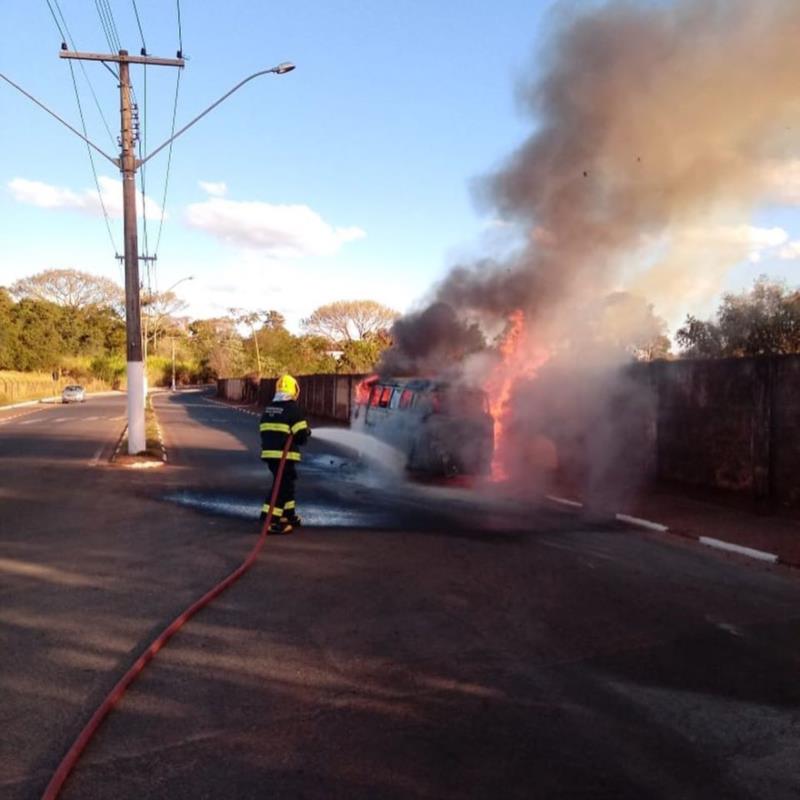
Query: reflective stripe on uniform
[(299, 426), (276, 510), (280, 427), (292, 455), (290, 505)]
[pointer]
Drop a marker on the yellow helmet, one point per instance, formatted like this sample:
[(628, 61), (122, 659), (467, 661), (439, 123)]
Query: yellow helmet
[(288, 385)]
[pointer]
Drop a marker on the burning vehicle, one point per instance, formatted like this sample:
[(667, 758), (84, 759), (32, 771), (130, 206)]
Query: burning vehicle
[(443, 429)]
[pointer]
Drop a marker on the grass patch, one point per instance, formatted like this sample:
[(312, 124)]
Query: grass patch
[(152, 450)]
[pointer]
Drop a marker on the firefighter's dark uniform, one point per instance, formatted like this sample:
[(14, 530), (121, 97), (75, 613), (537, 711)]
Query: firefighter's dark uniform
[(280, 418)]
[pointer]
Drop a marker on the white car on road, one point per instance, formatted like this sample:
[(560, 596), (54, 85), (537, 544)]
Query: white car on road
[(73, 394)]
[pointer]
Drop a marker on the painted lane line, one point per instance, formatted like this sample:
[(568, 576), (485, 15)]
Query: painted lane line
[(31, 422), (741, 550), (564, 501), (90, 419), (60, 419), (643, 523)]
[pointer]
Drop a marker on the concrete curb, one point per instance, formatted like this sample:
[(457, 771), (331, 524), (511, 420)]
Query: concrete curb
[(719, 544)]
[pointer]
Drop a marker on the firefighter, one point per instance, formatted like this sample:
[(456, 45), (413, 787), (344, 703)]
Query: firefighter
[(280, 418)]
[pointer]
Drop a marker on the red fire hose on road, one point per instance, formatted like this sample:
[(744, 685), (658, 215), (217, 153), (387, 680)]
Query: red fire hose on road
[(79, 745)]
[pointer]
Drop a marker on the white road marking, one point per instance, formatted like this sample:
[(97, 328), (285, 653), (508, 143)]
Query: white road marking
[(737, 548), (31, 422), (731, 629), (90, 419), (60, 419), (563, 501), (643, 523)]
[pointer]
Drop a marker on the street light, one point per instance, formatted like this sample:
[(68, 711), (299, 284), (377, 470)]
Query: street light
[(280, 69), (172, 387)]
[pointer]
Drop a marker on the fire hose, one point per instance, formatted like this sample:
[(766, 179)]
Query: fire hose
[(79, 745)]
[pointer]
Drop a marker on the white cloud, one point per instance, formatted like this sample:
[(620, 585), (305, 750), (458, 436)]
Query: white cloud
[(253, 280), (214, 188), (750, 236), (790, 252), (279, 230), (756, 241), (45, 195)]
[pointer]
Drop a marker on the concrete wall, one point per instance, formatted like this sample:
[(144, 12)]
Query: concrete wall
[(730, 424), (325, 396)]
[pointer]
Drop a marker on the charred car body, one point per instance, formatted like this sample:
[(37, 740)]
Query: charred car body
[(443, 429)]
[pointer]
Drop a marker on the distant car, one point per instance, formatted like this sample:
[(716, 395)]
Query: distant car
[(73, 394)]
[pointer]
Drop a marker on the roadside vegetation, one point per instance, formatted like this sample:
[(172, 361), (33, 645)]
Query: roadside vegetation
[(66, 326)]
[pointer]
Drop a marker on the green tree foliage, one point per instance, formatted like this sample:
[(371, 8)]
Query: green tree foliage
[(761, 322), (218, 347), (362, 355), (60, 315)]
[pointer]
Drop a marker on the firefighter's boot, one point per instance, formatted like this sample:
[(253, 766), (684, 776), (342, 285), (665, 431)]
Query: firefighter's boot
[(280, 527), (293, 520)]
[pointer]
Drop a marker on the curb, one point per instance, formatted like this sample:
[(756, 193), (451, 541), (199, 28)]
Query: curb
[(719, 544)]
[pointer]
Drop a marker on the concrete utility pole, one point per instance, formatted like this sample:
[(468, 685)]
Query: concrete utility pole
[(128, 164)]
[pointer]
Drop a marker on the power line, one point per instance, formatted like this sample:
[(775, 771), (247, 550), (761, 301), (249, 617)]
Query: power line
[(180, 30), (66, 35), (139, 23), (68, 38), (55, 19), (169, 163), (91, 160)]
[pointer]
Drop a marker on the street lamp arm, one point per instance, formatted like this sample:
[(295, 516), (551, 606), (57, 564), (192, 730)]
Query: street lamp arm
[(66, 124), (279, 70)]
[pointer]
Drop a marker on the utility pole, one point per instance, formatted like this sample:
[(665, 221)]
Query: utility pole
[(128, 164)]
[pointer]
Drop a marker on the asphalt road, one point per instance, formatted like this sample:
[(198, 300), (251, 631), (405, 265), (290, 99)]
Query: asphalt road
[(412, 642)]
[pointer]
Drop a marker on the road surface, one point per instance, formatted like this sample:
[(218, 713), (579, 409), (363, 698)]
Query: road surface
[(411, 643)]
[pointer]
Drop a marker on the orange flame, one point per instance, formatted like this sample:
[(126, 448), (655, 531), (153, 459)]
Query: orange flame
[(516, 361)]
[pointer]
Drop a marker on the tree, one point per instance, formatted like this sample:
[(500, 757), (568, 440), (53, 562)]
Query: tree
[(71, 288), (251, 318), (218, 347), (350, 320), (8, 333), (761, 322), (364, 354), (158, 312)]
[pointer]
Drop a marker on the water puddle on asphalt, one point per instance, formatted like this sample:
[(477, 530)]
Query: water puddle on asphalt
[(315, 514)]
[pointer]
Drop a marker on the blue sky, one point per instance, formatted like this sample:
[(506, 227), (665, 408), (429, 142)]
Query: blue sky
[(356, 166)]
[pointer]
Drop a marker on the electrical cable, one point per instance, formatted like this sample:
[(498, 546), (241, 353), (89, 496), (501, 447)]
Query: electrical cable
[(55, 19), (113, 23), (139, 23), (169, 163), (180, 29), (68, 38), (91, 160), (79, 745)]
